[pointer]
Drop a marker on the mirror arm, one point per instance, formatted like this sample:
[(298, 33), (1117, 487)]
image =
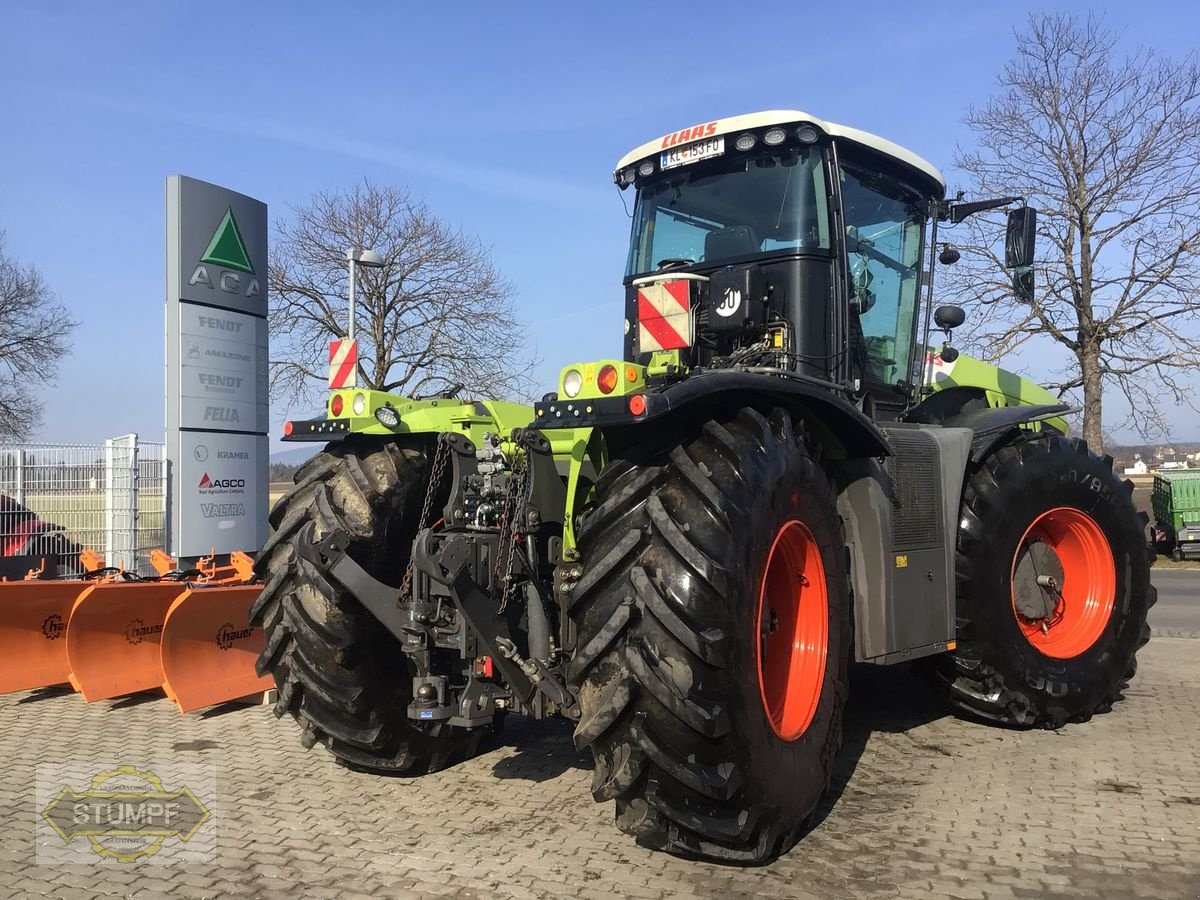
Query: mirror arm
[(957, 212)]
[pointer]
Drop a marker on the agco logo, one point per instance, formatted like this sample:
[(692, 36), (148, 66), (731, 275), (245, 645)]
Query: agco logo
[(227, 250), (228, 633), (212, 484), (137, 629), (53, 627), (689, 134)]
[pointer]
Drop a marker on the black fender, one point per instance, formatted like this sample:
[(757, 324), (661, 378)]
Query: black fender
[(842, 429), (990, 425), (967, 407)]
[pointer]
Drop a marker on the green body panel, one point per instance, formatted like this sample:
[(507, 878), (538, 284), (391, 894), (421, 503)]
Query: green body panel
[(1175, 499), (470, 417), (579, 453), (1001, 387)]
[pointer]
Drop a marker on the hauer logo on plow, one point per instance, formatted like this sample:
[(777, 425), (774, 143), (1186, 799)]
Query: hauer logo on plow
[(228, 633), (137, 629)]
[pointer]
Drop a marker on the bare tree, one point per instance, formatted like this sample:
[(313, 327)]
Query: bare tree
[(1108, 149), (35, 332), (437, 314)]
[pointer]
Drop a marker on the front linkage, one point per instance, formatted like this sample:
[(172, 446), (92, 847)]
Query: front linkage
[(476, 613)]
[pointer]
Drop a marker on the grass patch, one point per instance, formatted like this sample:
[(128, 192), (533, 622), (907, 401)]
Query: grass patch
[(1165, 562)]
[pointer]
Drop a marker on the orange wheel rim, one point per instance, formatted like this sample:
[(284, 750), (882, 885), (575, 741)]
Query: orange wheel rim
[(793, 631), (1076, 581)]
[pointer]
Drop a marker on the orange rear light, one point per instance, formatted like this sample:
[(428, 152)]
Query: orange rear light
[(637, 404), (607, 379), (287, 429)]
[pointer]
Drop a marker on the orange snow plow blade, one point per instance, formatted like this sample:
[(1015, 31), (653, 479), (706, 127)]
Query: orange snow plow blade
[(209, 648), (113, 637), (33, 630)]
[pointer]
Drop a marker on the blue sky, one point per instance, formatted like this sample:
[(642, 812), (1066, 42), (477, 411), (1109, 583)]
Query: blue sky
[(507, 118)]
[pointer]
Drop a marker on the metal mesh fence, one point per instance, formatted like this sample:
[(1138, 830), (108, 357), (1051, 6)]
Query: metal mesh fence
[(58, 499)]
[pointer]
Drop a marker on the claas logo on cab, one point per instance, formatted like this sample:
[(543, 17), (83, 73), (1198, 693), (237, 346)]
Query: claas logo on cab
[(689, 134)]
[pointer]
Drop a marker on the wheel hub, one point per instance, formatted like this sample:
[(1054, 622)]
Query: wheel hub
[(1063, 582), (1037, 583)]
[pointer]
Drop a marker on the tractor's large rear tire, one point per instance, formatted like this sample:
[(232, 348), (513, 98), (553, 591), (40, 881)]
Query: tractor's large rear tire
[(339, 673), (1046, 507), (713, 640)]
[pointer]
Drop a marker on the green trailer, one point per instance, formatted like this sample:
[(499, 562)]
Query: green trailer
[(1176, 504)]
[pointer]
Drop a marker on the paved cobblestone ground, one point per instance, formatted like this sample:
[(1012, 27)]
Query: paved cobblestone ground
[(925, 804)]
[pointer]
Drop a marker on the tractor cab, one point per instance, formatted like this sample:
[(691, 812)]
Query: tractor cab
[(799, 242)]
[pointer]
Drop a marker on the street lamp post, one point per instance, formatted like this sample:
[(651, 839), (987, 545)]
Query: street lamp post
[(371, 260)]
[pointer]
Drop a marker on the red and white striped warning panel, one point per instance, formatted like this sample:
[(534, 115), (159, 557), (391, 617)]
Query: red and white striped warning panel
[(343, 363), (664, 316)]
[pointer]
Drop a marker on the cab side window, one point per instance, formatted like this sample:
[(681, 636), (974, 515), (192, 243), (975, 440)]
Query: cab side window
[(884, 223)]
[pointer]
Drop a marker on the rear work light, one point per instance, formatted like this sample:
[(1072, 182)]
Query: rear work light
[(607, 379), (335, 405), (387, 416)]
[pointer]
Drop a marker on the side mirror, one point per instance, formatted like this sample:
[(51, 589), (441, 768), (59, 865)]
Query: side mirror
[(1023, 284), (1020, 239), (948, 317)]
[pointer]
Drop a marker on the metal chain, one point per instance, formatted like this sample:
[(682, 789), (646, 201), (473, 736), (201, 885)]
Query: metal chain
[(441, 457), (513, 499)]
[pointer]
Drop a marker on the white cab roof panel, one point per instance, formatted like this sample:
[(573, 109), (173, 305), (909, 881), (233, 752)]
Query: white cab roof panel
[(768, 118)]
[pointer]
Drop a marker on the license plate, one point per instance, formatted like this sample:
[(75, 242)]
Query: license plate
[(693, 152)]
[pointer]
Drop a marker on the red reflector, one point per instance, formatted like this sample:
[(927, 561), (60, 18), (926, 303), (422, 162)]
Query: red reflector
[(607, 379), (483, 666), (336, 404), (288, 427), (637, 404)]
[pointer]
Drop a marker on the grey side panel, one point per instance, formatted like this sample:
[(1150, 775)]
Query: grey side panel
[(865, 505), (901, 522)]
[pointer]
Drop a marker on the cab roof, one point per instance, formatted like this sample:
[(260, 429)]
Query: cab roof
[(766, 119)]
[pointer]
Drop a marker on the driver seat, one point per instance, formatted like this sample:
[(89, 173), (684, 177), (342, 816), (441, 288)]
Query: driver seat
[(734, 240)]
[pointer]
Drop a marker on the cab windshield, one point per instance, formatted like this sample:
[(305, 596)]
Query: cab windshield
[(736, 206)]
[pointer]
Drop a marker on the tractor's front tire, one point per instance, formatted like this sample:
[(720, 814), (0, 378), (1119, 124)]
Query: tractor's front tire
[(713, 640), (339, 673), (1053, 586)]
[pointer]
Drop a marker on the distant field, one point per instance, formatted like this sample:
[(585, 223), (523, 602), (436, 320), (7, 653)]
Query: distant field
[(84, 513)]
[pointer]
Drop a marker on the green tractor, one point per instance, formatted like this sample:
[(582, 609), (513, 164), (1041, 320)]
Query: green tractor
[(682, 551)]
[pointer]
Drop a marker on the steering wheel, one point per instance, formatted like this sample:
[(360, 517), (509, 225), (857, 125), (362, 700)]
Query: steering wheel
[(674, 262)]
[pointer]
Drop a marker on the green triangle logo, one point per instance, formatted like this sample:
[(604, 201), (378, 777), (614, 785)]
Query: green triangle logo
[(226, 247)]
